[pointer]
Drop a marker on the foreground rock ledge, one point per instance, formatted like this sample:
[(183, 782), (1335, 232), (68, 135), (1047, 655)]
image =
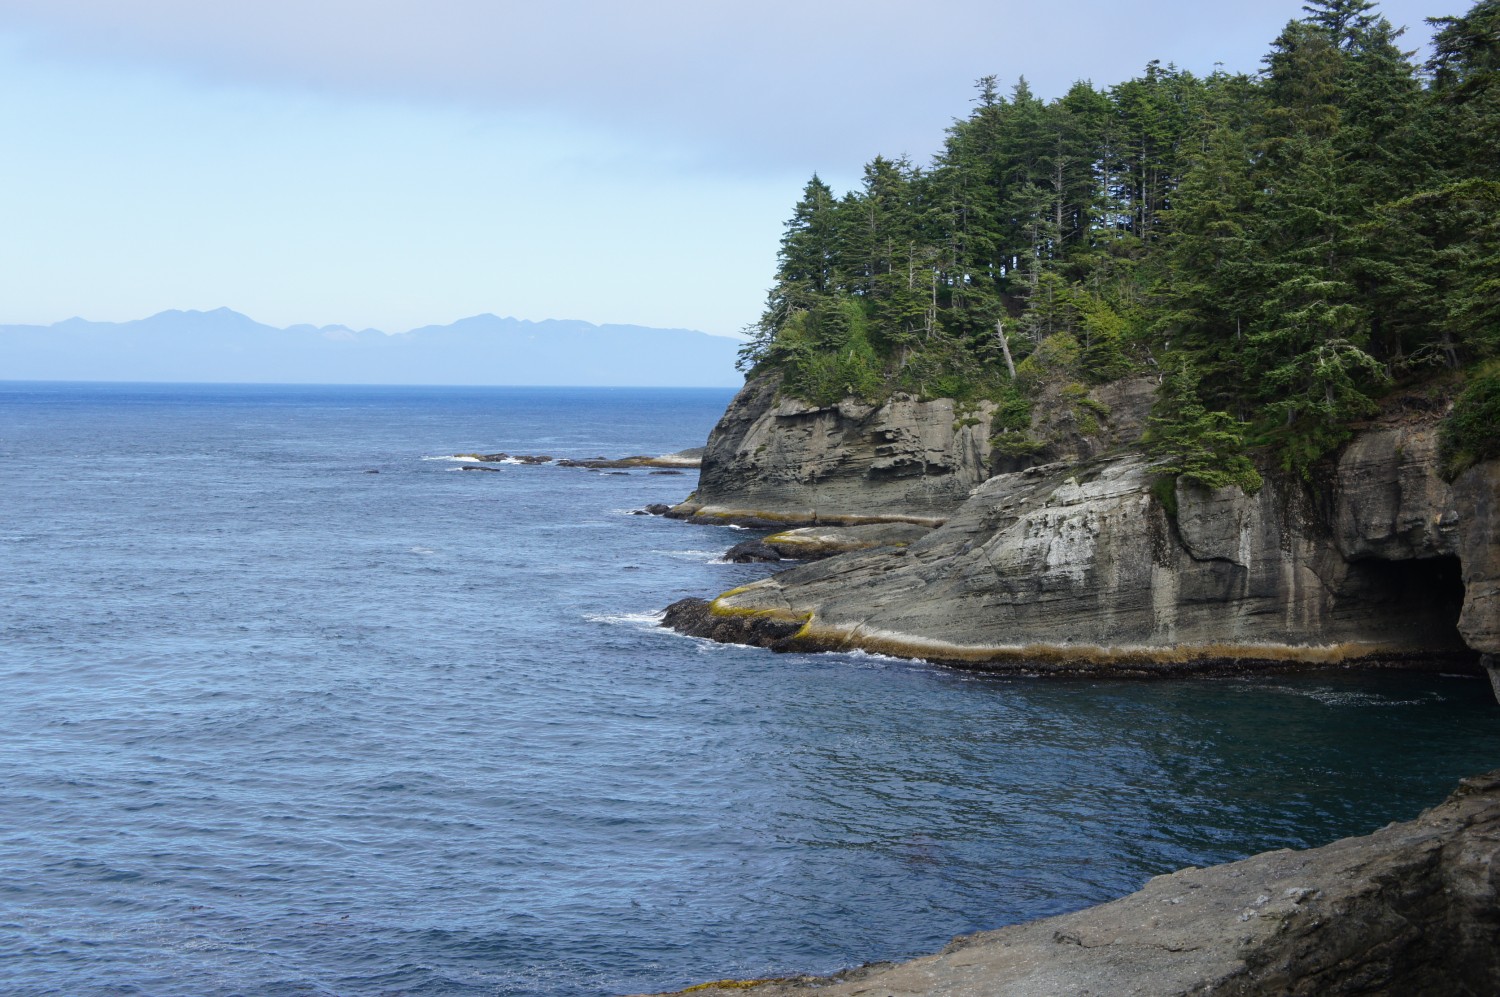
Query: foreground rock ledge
[(1413, 909)]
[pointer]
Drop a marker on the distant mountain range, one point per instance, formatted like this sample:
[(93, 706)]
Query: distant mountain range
[(223, 345)]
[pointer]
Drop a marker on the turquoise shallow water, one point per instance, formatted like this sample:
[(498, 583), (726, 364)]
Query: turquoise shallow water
[(275, 725)]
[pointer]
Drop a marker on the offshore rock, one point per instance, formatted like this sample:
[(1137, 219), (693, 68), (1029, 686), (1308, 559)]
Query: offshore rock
[(1081, 568), (680, 459), (778, 460), (1411, 910)]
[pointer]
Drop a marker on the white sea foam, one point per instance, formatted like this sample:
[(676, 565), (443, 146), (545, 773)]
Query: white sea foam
[(696, 556), (1341, 697), (641, 621), (860, 654), (421, 550), (458, 457)]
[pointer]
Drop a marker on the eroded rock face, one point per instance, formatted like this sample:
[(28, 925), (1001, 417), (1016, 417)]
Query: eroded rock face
[(780, 460), (1391, 503), (1079, 567), (1411, 910), (1477, 495)]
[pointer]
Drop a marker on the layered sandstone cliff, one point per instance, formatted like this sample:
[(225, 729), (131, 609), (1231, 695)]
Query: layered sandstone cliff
[(1086, 563), (779, 460)]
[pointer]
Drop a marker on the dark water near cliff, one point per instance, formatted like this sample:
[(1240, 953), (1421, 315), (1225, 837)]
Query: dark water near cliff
[(273, 725)]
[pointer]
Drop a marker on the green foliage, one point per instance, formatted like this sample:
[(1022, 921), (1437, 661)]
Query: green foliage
[(1198, 445), (1054, 357), (1086, 411), (1471, 432), (827, 355), (1164, 491), (1016, 444), (1293, 239), (1012, 411)]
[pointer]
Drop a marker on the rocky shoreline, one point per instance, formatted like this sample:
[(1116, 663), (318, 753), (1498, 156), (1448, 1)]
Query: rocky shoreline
[(1092, 562), (1413, 909), (1085, 561)]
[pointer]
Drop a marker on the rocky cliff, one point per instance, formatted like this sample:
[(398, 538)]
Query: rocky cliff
[(1088, 563), (1411, 910), (775, 459)]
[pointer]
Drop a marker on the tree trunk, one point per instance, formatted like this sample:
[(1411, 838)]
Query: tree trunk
[(1005, 347)]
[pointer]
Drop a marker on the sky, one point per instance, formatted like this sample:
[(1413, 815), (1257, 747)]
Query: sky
[(398, 163)]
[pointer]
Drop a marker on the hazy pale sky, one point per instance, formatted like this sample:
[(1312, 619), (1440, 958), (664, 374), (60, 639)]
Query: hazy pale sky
[(395, 163)]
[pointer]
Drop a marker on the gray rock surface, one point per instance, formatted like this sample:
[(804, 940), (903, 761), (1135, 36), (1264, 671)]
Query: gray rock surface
[(1079, 567), (751, 551), (812, 543), (1072, 428), (1477, 495), (773, 459), (1410, 911)]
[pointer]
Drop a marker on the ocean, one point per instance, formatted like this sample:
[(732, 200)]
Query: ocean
[(276, 725)]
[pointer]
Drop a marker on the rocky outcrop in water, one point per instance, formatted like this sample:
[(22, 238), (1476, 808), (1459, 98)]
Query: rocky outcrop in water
[(1410, 911), (1091, 565), (681, 459)]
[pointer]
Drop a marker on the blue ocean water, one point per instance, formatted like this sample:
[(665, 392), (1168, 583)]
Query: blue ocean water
[(276, 725)]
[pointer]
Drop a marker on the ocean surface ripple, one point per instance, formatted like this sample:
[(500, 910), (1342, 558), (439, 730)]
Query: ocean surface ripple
[(277, 725)]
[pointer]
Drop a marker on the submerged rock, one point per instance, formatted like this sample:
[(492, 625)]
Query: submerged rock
[(500, 458), (682, 459), (1411, 910)]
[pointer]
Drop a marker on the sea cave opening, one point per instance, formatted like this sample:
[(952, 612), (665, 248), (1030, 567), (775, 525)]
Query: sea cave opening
[(1417, 601)]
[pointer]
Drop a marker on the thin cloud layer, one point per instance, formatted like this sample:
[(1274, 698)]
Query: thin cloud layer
[(771, 85)]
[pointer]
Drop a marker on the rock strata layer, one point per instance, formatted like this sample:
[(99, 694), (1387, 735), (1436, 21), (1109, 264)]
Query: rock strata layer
[(1411, 910), (776, 460), (1102, 565)]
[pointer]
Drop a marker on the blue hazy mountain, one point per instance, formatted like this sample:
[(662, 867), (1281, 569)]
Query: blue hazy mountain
[(223, 345)]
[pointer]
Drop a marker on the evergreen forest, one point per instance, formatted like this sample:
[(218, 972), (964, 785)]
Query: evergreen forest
[(1282, 251)]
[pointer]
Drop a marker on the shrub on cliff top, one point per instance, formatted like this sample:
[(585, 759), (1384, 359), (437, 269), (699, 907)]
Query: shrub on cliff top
[(1471, 433)]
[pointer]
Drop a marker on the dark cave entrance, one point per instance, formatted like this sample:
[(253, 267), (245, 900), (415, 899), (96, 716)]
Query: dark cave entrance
[(1416, 602)]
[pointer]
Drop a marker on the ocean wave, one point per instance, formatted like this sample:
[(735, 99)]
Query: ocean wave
[(638, 620), (696, 556), (1347, 697), (862, 655)]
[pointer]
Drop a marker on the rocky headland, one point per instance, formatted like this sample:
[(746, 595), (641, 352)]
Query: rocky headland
[(917, 533), (1084, 557), (1413, 909)]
